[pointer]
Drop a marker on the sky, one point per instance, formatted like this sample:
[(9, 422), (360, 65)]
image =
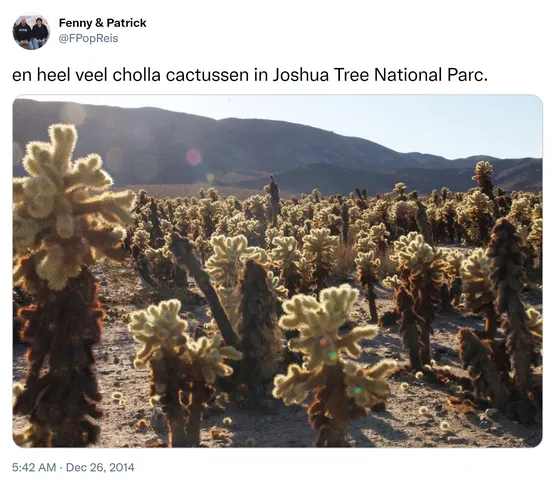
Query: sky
[(452, 126)]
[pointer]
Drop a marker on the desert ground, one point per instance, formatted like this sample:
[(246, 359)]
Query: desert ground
[(400, 425)]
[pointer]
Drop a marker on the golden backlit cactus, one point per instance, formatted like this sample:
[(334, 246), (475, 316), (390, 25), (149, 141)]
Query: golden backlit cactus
[(414, 254), (400, 189), (226, 264), (225, 267), (318, 323), (521, 211), (423, 267), (157, 328), (318, 247), (534, 322), (378, 235), (140, 239), (364, 243), (367, 267), (55, 216), (63, 222), (507, 278), (393, 282), (483, 176), (367, 386), (535, 238), (477, 288), (209, 355), (342, 390), (183, 370), (453, 264)]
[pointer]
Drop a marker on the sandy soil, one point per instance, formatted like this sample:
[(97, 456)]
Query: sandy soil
[(400, 425)]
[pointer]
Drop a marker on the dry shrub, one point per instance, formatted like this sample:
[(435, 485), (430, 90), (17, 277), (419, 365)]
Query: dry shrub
[(344, 262)]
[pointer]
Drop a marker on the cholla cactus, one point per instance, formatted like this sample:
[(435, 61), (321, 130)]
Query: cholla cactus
[(392, 282), (260, 337), (521, 211), (453, 264), (534, 322), (410, 329), (271, 234), (318, 247), (480, 212), (226, 264), (378, 235), (305, 270), (367, 268), (507, 277), (342, 391), (424, 268), (364, 243), (482, 176), (403, 215), (478, 289), (182, 370), (60, 229), (535, 238), (400, 189), (58, 226), (448, 217), (225, 268), (285, 255), (476, 357)]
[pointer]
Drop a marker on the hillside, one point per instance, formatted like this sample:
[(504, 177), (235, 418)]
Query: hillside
[(150, 146)]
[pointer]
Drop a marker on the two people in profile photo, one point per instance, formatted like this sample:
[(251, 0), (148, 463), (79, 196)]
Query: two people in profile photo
[(31, 37)]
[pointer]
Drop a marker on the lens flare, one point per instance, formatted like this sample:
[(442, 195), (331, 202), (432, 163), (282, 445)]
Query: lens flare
[(114, 159), (210, 177), (332, 356), (17, 153), (72, 113), (193, 157), (358, 389)]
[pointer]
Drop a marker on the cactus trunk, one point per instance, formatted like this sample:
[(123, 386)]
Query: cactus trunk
[(371, 297), (61, 389), (195, 416), (176, 426), (492, 322)]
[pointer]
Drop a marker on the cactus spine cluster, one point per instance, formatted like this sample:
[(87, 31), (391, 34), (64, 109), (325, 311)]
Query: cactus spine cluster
[(182, 370), (342, 390)]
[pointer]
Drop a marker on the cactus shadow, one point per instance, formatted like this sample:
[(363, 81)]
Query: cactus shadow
[(377, 423)]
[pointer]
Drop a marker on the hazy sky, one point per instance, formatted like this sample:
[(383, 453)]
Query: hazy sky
[(453, 126)]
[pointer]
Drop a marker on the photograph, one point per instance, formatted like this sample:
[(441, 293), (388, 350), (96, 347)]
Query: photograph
[(31, 32), (276, 271)]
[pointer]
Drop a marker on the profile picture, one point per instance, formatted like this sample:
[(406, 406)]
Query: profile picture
[(31, 31)]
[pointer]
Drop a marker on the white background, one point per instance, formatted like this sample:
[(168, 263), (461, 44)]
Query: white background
[(506, 39)]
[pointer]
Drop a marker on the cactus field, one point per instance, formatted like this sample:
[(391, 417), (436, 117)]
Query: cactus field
[(390, 320)]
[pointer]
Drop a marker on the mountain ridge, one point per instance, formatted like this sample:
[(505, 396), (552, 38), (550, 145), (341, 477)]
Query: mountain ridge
[(150, 145)]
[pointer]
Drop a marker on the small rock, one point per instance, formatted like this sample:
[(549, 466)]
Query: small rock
[(456, 440), (158, 419), (492, 412)]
